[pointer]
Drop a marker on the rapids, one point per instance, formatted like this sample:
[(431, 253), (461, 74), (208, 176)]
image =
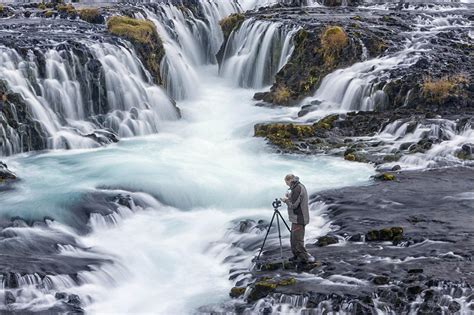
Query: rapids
[(198, 177)]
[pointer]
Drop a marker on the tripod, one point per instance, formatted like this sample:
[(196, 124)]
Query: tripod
[(276, 213)]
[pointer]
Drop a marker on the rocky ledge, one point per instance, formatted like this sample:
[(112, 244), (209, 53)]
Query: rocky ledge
[(399, 246)]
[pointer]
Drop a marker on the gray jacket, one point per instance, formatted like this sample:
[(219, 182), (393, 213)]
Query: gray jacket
[(298, 207)]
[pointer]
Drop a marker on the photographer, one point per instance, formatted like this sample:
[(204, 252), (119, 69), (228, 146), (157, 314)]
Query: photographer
[(298, 213)]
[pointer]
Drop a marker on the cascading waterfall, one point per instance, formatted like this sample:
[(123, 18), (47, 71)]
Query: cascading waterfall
[(446, 140), (79, 108), (256, 51), (352, 88)]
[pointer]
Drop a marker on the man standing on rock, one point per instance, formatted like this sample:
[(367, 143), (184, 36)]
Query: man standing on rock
[(298, 213)]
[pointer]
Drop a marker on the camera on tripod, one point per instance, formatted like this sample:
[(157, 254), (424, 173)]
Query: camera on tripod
[(276, 204)]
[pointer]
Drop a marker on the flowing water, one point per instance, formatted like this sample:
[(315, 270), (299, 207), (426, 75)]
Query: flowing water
[(168, 248), (206, 170)]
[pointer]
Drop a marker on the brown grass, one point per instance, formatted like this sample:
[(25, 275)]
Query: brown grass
[(438, 90), (91, 15), (333, 40), (281, 95)]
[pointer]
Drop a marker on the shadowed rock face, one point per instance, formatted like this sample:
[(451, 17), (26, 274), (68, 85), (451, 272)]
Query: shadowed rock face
[(431, 262)]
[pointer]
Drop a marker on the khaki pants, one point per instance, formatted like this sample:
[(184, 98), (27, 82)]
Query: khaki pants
[(297, 242)]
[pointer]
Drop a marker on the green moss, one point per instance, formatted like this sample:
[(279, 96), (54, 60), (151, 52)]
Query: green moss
[(2, 8), (137, 30), (236, 292), (326, 122), (42, 6), (233, 21), (282, 135), (287, 281), (49, 14), (387, 176), (91, 15), (143, 35)]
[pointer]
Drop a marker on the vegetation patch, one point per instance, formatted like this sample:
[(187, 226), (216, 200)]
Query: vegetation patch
[(136, 30), (439, 90), (282, 95), (91, 15), (333, 40), (233, 21)]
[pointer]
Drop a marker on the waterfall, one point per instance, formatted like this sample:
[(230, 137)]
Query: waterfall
[(256, 51), (80, 99)]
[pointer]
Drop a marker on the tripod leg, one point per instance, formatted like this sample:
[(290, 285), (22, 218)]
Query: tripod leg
[(266, 235), (289, 230), (281, 246)]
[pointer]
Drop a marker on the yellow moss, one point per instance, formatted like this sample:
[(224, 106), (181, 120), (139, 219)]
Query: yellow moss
[(387, 176), (281, 95), (438, 90), (69, 8), (1, 8), (90, 15), (49, 14), (349, 157), (288, 281), (141, 31), (42, 6), (333, 40), (326, 122), (228, 24)]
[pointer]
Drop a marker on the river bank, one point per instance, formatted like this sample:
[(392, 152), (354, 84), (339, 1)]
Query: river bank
[(400, 246)]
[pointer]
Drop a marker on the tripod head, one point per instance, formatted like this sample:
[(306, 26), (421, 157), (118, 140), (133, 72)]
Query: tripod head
[(276, 204)]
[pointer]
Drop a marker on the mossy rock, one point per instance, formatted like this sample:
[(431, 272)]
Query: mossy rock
[(386, 234), (137, 30), (385, 177), (144, 37), (326, 122), (327, 240), (261, 289), (349, 157), (394, 234), (381, 280), (236, 292), (233, 21), (91, 15), (287, 282), (283, 135), (373, 235)]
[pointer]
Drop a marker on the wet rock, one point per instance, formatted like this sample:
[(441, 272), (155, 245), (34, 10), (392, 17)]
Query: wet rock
[(396, 168), (326, 240), (9, 298), (355, 238), (236, 292), (261, 289), (387, 234), (60, 295), (5, 173), (74, 300), (381, 280), (454, 307)]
